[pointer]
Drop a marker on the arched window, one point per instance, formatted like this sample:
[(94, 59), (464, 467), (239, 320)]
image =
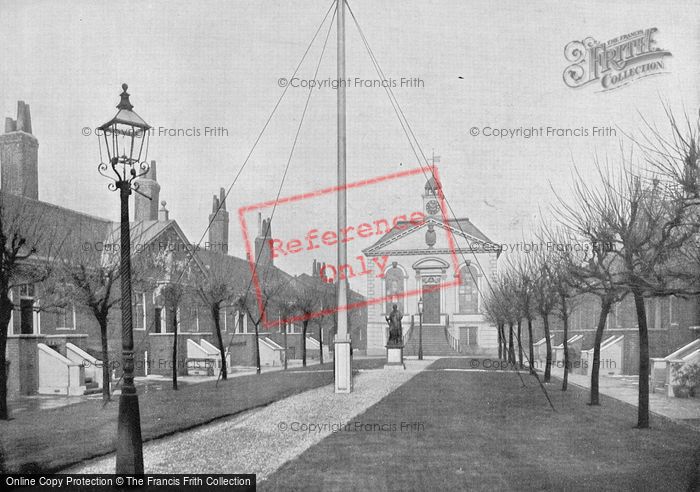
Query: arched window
[(468, 296), (394, 287)]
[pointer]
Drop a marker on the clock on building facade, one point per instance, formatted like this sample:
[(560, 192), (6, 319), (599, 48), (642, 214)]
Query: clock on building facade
[(432, 207)]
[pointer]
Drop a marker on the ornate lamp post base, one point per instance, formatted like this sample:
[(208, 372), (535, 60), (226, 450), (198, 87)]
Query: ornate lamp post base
[(129, 447)]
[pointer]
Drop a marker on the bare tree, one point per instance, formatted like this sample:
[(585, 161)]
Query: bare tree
[(563, 254), (545, 302), (272, 288), (326, 296), (88, 277), (172, 282), (287, 309), (639, 226), (523, 291), (29, 245), (634, 222), (658, 226), (217, 289), (89, 280), (496, 310), (594, 272), (306, 303)]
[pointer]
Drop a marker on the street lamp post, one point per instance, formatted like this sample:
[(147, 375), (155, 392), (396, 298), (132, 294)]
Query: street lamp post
[(420, 329), (125, 137)]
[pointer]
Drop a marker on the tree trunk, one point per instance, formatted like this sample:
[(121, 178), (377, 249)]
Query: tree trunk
[(5, 314), (303, 342), (643, 406), (548, 341), (531, 346), (595, 368), (215, 314), (520, 344), (511, 347), (175, 349), (565, 319), (106, 378), (286, 348), (320, 342), (257, 349), (500, 341)]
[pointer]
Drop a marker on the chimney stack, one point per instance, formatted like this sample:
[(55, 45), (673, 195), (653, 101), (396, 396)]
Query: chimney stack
[(163, 212), (145, 209), (263, 251), (219, 218), (19, 173)]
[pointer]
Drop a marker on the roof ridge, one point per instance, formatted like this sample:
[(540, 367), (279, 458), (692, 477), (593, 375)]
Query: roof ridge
[(60, 207)]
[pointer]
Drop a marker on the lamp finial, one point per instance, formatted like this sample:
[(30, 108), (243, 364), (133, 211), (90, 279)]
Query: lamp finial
[(125, 103)]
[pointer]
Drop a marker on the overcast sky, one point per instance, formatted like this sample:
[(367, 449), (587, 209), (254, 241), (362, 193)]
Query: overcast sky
[(191, 65)]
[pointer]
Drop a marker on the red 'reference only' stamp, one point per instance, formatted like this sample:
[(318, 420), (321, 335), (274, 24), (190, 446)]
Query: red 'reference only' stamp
[(315, 239)]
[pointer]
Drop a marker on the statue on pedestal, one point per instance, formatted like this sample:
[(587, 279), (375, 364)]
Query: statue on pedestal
[(395, 329)]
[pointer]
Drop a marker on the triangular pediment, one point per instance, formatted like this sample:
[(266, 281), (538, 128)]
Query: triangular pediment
[(410, 239)]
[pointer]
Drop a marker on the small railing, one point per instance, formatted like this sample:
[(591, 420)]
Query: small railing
[(407, 335), (451, 340)]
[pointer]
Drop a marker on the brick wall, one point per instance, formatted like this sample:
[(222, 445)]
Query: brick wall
[(18, 158), (242, 349), (13, 375), (28, 365), (23, 355), (160, 354), (667, 332), (293, 343)]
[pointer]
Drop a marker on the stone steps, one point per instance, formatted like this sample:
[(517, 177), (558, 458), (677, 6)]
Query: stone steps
[(434, 342)]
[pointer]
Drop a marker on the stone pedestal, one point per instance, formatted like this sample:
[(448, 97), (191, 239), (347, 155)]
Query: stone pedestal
[(394, 357)]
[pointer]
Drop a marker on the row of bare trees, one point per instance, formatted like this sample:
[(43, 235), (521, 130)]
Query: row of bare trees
[(634, 232), (38, 249)]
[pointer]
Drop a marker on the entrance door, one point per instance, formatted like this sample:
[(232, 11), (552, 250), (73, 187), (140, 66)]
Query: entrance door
[(157, 322), (431, 306), (26, 316), (472, 333)]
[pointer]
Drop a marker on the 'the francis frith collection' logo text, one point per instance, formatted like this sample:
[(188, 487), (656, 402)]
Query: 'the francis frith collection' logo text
[(614, 63)]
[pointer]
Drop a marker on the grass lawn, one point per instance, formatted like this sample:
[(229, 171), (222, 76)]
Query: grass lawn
[(485, 431), (48, 440)]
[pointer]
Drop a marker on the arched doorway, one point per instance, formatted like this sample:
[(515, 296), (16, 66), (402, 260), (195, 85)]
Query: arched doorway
[(431, 273)]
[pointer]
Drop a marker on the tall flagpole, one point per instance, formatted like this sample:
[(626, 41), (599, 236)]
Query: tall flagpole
[(343, 371)]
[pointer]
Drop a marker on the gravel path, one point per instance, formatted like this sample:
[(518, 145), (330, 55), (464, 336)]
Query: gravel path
[(262, 440)]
